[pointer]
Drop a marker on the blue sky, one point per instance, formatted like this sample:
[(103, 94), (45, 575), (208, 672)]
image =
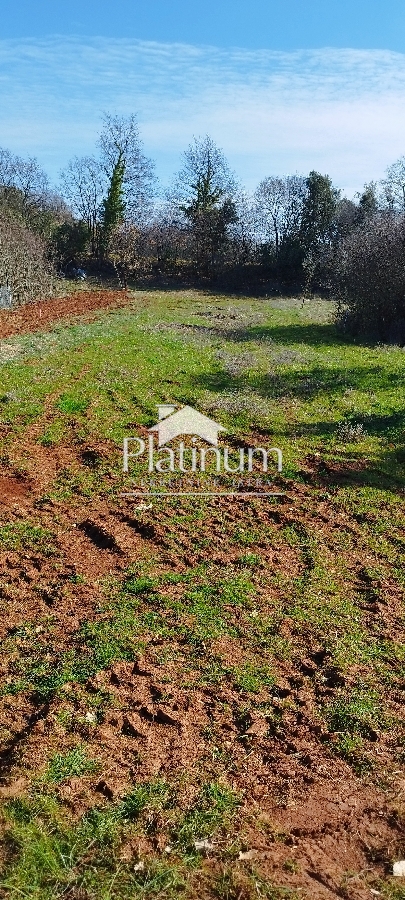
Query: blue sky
[(280, 86), (254, 24)]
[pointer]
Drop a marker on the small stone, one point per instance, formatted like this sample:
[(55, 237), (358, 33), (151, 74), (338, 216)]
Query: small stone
[(398, 869), (248, 854), (203, 846), (258, 729), (90, 718)]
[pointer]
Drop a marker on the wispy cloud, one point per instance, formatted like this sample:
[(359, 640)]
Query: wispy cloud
[(339, 111)]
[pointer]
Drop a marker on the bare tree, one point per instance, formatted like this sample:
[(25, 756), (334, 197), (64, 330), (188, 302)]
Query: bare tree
[(393, 185), (6, 168), (120, 141), (84, 185), (87, 180), (30, 179), (242, 233), (25, 192), (278, 204), (25, 175)]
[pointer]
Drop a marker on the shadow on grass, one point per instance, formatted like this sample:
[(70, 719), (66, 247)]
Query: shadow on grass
[(386, 472), (311, 335), (305, 382), (391, 427)]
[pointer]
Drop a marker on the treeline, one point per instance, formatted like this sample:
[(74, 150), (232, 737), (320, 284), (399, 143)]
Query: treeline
[(296, 232)]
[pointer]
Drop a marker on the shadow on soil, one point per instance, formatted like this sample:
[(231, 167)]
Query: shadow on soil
[(9, 753)]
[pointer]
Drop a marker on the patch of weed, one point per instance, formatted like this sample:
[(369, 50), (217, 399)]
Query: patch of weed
[(252, 678), (247, 537), (150, 796), (351, 748), (140, 585), (214, 808), (357, 713), (391, 890), (70, 482), (290, 865), (52, 435), (250, 560), (52, 856), (72, 405), (25, 536), (74, 762), (232, 884)]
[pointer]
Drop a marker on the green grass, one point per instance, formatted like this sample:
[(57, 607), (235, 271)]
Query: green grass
[(355, 718), (150, 796), (106, 375), (213, 809), (50, 855), (356, 714), (253, 677)]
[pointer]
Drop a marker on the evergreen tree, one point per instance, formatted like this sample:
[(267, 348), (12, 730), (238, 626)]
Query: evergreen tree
[(318, 228), (209, 214), (204, 195), (368, 202), (113, 207), (318, 213)]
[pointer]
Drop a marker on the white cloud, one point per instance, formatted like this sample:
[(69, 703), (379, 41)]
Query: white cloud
[(339, 111)]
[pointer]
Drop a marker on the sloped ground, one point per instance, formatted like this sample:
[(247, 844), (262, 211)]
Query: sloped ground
[(201, 697)]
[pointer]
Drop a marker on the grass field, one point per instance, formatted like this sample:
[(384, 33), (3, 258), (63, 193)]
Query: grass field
[(202, 697)]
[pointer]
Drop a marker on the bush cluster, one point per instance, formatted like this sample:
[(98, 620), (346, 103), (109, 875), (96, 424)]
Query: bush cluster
[(25, 270), (369, 277)]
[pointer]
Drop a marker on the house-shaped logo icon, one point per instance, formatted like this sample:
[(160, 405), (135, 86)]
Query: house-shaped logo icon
[(187, 420)]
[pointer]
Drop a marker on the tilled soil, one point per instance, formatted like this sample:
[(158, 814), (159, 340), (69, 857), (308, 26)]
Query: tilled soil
[(36, 316), (303, 808), (307, 820)]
